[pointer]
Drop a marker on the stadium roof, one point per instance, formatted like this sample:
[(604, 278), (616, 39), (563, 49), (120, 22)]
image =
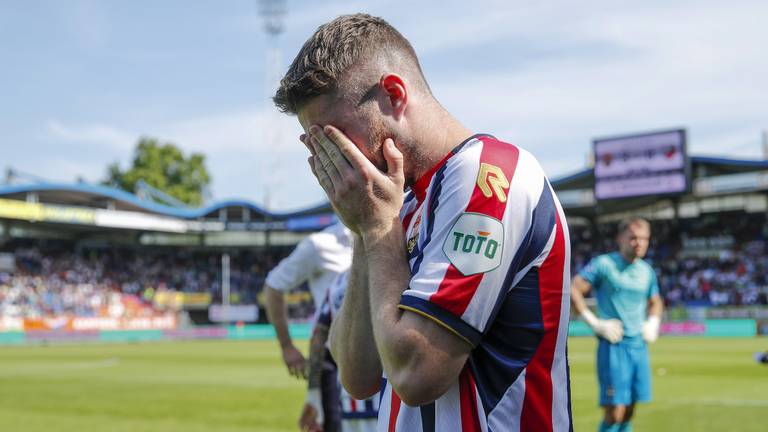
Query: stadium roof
[(89, 195), (572, 189)]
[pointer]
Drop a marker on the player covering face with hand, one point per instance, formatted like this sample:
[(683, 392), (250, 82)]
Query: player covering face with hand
[(629, 315), (458, 294)]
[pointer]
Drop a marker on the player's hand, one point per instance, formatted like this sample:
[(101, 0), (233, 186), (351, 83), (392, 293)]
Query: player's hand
[(365, 198), (295, 362), (611, 330), (308, 420), (651, 329), (312, 418)]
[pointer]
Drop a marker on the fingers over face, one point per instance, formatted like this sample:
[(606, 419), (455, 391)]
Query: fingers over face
[(336, 138), (331, 148), (304, 138), (331, 169), (321, 175)]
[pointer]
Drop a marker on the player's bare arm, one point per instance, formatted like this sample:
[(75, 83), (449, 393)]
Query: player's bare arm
[(420, 358), (655, 306), (612, 329), (579, 289), (351, 337), (292, 357), (312, 414)]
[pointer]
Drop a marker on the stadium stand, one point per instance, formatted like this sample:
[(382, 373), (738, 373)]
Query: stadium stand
[(93, 251)]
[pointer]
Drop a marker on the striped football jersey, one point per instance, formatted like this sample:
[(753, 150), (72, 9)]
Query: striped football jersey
[(489, 253)]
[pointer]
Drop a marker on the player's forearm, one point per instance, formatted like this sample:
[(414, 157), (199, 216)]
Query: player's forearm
[(351, 335), (316, 355), (655, 307), (577, 300), (277, 315), (404, 351)]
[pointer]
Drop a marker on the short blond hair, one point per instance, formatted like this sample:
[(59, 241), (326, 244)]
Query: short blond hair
[(332, 50)]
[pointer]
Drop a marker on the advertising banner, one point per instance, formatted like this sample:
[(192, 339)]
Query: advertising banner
[(80, 324), (14, 209), (641, 165), (221, 313)]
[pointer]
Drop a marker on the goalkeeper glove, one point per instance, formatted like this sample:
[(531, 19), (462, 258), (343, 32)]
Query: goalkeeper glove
[(651, 328), (611, 330)]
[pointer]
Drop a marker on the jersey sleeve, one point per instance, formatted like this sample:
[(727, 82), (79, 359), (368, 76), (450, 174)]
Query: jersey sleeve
[(480, 235), (591, 272), (295, 269)]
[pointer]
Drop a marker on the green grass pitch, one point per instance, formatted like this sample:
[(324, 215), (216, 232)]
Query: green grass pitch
[(699, 385)]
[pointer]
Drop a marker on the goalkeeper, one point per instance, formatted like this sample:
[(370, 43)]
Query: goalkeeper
[(629, 315)]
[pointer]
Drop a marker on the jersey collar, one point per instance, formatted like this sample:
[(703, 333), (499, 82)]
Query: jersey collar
[(421, 185)]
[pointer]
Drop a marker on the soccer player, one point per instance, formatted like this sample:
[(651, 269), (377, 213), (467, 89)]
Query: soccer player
[(356, 415), (458, 295), (317, 260), (629, 309)]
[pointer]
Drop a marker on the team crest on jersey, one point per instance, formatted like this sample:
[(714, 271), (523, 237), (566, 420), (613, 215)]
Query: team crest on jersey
[(414, 240), (475, 243), (492, 181)]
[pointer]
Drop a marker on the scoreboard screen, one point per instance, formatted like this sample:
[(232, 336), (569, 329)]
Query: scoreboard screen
[(640, 165)]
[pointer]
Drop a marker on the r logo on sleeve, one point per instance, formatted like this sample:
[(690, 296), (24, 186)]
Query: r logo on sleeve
[(492, 181), (475, 243)]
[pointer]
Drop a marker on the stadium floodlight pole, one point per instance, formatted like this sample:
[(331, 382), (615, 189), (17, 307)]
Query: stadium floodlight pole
[(273, 13), (225, 286)]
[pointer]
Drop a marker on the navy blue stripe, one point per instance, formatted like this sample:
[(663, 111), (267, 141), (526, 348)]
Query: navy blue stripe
[(434, 201), (511, 342), (443, 316), (543, 219), (369, 405), (383, 388), (428, 417), (409, 197), (360, 415)]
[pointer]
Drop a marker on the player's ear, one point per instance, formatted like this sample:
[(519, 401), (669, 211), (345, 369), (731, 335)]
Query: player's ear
[(396, 92)]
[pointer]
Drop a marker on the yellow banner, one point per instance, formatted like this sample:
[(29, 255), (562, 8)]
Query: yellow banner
[(13, 209)]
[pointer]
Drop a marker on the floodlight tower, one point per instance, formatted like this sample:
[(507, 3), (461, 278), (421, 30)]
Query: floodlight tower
[(273, 12)]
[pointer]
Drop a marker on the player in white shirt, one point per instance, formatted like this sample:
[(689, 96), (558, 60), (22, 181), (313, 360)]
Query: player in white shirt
[(356, 415), (317, 261)]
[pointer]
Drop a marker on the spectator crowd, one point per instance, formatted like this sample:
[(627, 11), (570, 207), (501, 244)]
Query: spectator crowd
[(709, 261), (52, 281)]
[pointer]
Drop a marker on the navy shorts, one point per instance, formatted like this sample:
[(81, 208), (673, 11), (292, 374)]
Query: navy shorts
[(331, 391)]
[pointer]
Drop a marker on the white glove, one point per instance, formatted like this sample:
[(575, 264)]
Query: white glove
[(651, 328), (315, 399), (611, 330)]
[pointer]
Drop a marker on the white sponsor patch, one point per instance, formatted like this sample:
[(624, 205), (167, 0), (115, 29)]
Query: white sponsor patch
[(474, 243)]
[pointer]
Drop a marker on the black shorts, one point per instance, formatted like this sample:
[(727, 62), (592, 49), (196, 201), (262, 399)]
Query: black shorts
[(329, 387)]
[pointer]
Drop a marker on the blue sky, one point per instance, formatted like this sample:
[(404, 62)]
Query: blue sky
[(81, 80)]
